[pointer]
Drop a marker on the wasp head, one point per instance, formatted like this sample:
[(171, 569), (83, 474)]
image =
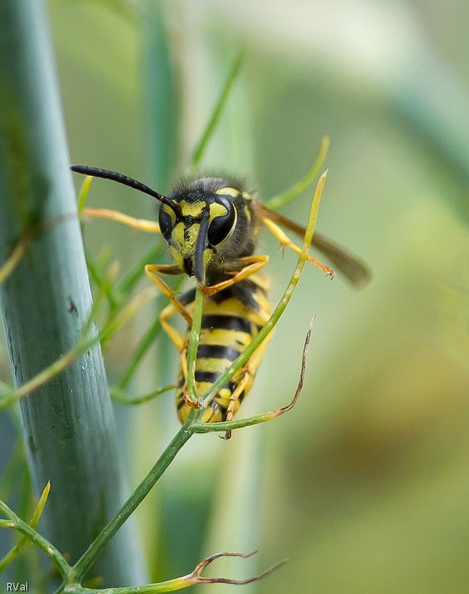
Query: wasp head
[(208, 223)]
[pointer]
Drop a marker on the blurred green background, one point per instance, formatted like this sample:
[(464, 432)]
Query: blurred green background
[(364, 486)]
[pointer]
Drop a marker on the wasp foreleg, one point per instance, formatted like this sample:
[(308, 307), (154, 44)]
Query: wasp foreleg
[(152, 271), (247, 267)]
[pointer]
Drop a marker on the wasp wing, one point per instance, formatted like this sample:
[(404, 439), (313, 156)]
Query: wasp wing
[(347, 263)]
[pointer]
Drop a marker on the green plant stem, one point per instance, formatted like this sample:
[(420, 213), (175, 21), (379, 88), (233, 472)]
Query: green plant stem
[(141, 350), (285, 197), (122, 398), (183, 582), (194, 344), (217, 111), (16, 523), (88, 558), (68, 423)]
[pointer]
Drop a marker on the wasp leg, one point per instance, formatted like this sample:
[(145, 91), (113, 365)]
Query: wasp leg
[(285, 241), (176, 337), (180, 343), (254, 264), (152, 271), (174, 307), (115, 215), (247, 379)]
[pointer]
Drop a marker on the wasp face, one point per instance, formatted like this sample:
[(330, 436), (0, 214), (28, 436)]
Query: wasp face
[(207, 223)]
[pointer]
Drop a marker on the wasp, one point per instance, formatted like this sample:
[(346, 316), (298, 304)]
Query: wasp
[(211, 226)]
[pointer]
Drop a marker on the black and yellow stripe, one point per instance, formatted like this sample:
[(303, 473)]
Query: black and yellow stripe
[(231, 319), (211, 226)]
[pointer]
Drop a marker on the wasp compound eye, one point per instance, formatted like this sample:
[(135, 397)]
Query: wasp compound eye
[(166, 224), (221, 225)]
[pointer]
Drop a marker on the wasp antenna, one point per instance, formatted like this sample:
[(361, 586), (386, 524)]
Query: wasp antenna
[(120, 178)]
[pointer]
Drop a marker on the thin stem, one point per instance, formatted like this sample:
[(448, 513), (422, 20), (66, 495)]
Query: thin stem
[(83, 194), (263, 417), (193, 345), (183, 582), (13, 260), (12, 553), (90, 555), (121, 397), (217, 111), (141, 350), (16, 523), (281, 199)]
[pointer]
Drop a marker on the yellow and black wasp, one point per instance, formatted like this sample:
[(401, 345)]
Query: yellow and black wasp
[(211, 225)]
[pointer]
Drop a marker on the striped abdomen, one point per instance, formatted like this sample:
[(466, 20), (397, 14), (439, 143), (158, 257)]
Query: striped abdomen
[(230, 321)]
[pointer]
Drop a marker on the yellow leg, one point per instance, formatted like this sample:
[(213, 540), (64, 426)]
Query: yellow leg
[(249, 372), (181, 344), (115, 215), (176, 337), (247, 378), (253, 265), (283, 238), (173, 308), (152, 271)]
